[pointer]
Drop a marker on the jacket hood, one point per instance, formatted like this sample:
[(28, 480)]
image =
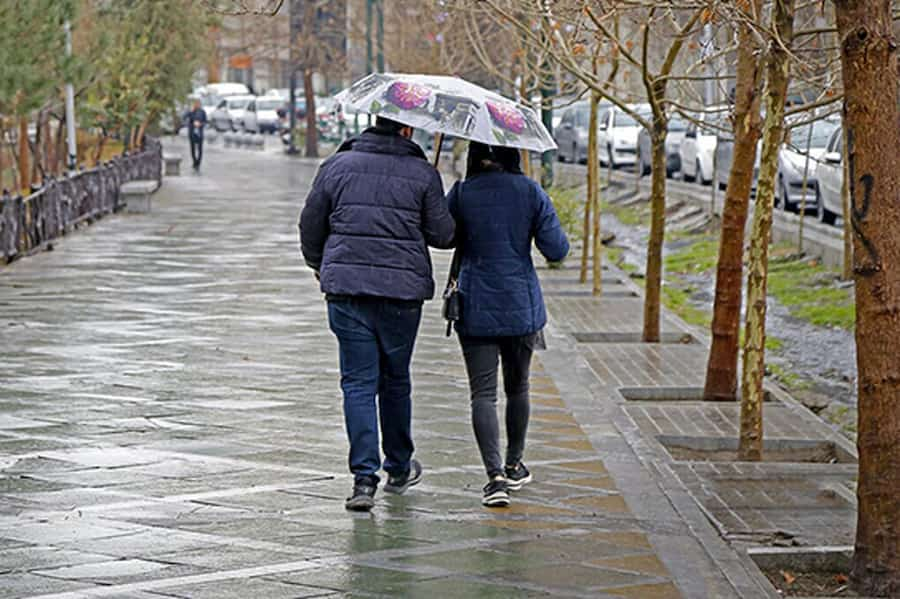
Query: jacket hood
[(376, 142)]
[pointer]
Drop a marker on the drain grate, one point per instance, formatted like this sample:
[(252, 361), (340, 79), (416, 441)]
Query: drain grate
[(630, 337), (724, 449)]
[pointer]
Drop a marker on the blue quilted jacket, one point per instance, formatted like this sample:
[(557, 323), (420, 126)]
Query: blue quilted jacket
[(374, 208), (497, 216)]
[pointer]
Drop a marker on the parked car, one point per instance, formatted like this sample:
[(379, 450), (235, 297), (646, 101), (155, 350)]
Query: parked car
[(699, 145), (674, 137), (223, 89), (792, 163), (617, 137), (261, 115), (237, 108), (724, 156), (572, 133), (218, 116), (830, 179), (284, 92)]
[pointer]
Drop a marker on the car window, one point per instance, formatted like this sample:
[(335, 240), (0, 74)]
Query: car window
[(677, 125), (623, 119), (237, 104), (269, 104), (567, 117)]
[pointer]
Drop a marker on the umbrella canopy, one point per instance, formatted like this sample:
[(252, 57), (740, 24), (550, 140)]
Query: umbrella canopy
[(449, 105)]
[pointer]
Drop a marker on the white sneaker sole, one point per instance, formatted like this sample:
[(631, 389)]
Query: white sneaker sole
[(499, 499), (515, 485)]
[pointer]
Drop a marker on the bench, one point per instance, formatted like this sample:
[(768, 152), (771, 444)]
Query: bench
[(173, 164), (136, 195)]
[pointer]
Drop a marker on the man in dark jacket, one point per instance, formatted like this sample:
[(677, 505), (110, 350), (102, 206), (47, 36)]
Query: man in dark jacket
[(374, 208), (196, 122)]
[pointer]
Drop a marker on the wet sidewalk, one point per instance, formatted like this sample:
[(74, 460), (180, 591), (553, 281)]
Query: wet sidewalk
[(170, 426)]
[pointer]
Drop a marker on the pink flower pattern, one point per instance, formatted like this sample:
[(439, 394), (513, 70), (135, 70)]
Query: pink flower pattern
[(408, 95), (507, 117)]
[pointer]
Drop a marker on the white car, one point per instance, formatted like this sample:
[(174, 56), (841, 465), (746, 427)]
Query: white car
[(699, 146), (261, 115), (618, 136), (236, 107), (793, 163), (830, 179)]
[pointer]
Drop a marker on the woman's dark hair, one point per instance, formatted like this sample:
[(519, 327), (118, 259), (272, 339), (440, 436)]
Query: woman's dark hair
[(388, 126), (491, 159)]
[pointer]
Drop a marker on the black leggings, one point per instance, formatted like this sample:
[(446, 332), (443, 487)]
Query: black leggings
[(481, 364)]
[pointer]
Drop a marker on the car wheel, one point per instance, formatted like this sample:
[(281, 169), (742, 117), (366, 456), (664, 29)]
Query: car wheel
[(825, 215), (783, 199), (574, 152), (698, 175)]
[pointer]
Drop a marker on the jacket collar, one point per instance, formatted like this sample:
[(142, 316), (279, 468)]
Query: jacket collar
[(375, 142)]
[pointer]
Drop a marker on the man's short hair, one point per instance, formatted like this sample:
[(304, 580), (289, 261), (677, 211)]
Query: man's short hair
[(388, 126)]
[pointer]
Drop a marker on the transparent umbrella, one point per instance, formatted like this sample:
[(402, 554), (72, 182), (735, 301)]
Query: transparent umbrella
[(449, 105)]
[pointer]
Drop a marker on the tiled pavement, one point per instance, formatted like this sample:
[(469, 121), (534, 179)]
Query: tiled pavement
[(171, 426)]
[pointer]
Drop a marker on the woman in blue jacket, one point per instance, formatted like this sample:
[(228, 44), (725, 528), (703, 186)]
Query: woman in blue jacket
[(498, 212)]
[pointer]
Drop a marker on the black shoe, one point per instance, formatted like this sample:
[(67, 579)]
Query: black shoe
[(496, 493), (398, 484), (363, 498), (517, 476)]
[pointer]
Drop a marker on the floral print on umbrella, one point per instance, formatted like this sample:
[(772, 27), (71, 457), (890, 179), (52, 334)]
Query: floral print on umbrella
[(407, 95), (507, 117)]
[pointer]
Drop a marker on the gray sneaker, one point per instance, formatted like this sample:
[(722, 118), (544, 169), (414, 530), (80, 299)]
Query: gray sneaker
[(363, 498), (398, 484)]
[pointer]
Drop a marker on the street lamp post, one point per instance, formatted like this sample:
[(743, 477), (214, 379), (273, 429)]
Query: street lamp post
[(72, 158), (292, 94)]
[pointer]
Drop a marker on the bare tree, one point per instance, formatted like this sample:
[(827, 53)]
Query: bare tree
[(872, 113), (777, 67)]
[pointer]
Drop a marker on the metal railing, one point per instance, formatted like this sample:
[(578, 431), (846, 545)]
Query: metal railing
[(29, 223)]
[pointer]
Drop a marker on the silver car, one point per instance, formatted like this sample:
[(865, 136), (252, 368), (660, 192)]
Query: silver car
[(804, 141), (674, 137), (572, 133), (830, 178)]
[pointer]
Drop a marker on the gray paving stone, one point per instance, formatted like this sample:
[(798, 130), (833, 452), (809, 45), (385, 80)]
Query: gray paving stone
[(181, 399)]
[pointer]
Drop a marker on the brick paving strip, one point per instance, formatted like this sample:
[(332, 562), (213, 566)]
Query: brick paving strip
[(171, 426)]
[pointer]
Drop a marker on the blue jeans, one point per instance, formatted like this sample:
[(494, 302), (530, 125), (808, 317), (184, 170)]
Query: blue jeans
[(376, 338)]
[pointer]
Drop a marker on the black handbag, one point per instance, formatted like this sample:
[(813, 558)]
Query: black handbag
[(452, 301)]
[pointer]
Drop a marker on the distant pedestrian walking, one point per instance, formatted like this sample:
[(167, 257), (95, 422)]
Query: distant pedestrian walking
[(196, 122), (499, 212), (375, 207)]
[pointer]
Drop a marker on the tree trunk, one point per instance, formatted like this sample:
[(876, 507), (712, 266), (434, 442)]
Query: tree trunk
[(312, 130), (750, 446), (593, 159), (99, 154), (657, 229), (721, 370), (24, 151), (872, 119), (847, 266), (142, 130), (592, 185)]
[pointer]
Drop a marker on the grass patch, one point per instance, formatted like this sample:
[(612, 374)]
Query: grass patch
[(696, 257), (635, 215), (569, 205), (808, 290), (677, 299), (774, 344), (790, 380)]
